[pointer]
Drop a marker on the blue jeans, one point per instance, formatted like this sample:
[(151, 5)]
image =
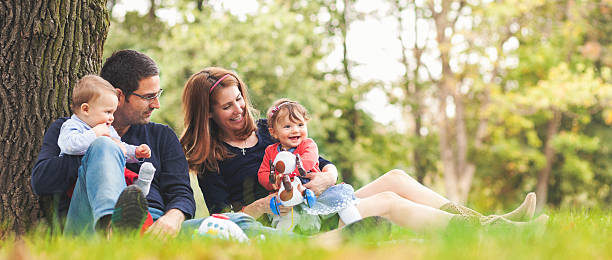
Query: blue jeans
[(101, 180), (248, 224), (99, 183)]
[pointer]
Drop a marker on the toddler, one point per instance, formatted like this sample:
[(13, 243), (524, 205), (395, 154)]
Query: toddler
[(287, 122)]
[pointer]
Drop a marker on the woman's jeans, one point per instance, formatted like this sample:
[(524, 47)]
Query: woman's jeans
[(248, 224)]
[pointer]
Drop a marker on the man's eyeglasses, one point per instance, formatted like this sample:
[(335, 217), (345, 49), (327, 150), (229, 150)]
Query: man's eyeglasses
[(151, 96)]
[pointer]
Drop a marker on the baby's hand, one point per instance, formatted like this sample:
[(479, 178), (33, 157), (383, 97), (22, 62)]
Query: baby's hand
[(101, 130), (143, 151), (277, 181)]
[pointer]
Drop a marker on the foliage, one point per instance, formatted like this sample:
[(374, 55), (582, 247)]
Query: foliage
[(277, 52), (533, 59), (557, 73)]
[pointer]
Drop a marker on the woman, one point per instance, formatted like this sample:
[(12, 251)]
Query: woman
[(225, 145)]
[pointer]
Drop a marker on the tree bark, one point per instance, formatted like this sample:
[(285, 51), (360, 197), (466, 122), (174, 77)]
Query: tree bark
[(45, 46), (549, 153)]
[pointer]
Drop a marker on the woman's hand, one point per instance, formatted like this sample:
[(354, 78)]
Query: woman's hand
[(262, 206), (320, 181)]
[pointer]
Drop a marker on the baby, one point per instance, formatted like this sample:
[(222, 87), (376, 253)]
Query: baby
[(94, 100), (287, 123)]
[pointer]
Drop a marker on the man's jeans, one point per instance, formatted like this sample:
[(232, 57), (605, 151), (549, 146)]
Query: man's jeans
[(98, 186)]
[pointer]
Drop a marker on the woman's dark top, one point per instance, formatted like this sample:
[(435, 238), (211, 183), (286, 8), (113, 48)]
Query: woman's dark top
[(236, 185)]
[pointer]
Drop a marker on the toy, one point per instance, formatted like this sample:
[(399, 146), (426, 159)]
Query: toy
[(219, 226), (291, 192)]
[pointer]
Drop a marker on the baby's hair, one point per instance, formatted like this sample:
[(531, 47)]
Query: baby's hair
[(88, 89), (286, 107)]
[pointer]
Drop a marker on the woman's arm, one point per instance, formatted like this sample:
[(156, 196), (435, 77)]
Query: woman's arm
[(319, 182), (259, 207), (215, 191)]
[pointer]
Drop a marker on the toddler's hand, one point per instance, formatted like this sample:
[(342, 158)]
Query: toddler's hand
[(143, 151), (277, 181), (101, 130)]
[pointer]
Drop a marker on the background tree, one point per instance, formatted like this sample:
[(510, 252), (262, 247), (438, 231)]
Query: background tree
[(45, 46), (353, 139), (469, 69), (446, 83), (564, 91)]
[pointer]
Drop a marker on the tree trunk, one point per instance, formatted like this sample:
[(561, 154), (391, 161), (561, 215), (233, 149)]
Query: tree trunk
[(549, 153), (470, 168), (348, 172), (465, 170), (200, 4), (152, 9), (446, 147), (419, 162), (412, 89), (446, 88), (458, 171), (45, 46)]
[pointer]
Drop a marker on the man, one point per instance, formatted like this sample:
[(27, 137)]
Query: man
[(98, 176)]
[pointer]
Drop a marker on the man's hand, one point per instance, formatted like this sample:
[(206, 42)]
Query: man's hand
[(319, 182), (143, 151), (101, 130), (167, 225)]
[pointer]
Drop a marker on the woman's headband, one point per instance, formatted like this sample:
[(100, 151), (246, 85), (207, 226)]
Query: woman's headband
[(217, 82)]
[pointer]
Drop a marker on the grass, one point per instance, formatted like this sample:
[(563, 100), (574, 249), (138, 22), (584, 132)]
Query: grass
[(569, 234)]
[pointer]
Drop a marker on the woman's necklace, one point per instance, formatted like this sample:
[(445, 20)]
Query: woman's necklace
[(244, 147)]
